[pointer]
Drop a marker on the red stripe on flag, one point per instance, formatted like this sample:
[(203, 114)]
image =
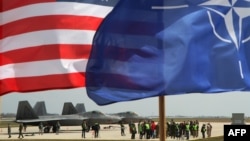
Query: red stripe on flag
[(62, 81), (50, 22), (11, 4), (46, 52)]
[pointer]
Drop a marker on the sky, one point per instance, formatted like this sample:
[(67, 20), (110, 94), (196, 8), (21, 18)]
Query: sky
[(219, 104)]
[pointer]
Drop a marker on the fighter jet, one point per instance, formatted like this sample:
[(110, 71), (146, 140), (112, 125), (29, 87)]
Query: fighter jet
[(129, 116), (25, 114), (97, 116), (92, 116)]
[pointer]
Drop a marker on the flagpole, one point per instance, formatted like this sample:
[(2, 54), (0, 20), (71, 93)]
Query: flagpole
[(1, 108), (162, 118), (1, 112)]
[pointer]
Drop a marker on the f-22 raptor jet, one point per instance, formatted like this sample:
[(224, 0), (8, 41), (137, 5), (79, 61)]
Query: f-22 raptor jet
[(26, 115), (97, 116), (93, 117)]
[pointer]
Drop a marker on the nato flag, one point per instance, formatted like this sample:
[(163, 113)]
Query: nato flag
[(148, 48)]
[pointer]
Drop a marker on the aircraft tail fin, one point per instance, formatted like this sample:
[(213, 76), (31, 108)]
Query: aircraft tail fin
[(40, 108), (69, 109), (25, 111), (80, 107)]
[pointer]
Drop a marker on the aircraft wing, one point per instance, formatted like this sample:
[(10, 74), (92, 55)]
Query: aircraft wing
[(48, 119), (35, 120)]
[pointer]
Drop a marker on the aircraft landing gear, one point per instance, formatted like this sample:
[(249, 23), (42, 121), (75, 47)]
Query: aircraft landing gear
[(46, 129)]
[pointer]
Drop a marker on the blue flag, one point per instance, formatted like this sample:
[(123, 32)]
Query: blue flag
[(148, 48)]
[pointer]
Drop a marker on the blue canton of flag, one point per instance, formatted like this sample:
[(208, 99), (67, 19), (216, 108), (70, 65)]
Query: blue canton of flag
[(148, 48)]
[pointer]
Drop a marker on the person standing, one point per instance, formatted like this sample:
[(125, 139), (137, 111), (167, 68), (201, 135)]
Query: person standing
[(40, 127), (140, 130), (197, 122), (209, 130), (157, 129), (57, 127), (195, 130), (9, 130), (24, 127), (20, 130), (96, 129), (133, 130), (203, 131), (152, 129), (122, 129), (187, 130), (147, 129), (84, 128)]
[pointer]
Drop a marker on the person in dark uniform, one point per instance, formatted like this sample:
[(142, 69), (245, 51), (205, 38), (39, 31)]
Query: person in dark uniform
[(9, 130), (20, 130), (133, 130), (84, 128), (203, 131), (96, 129), (122, 129), (57, 127)]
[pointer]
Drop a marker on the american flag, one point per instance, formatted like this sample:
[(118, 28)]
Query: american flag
[(45, 44)]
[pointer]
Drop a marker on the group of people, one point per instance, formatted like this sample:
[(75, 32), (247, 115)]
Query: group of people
[(20, 129), (96, 127), (146, 129), (206, 129), (187, 129), (55, 128), (150, 130)]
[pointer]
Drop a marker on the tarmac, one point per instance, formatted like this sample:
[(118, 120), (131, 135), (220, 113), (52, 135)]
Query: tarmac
[(107, 132)]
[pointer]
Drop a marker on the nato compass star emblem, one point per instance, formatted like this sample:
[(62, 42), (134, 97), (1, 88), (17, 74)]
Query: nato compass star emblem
[(234, 8), (236, 12), (241, 8)]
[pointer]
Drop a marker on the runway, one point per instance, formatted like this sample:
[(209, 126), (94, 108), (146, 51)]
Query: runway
[(113, 133)]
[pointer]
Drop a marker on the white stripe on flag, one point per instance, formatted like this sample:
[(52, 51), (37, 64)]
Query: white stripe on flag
[(46, 37), (57, 8), (40, 68)]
